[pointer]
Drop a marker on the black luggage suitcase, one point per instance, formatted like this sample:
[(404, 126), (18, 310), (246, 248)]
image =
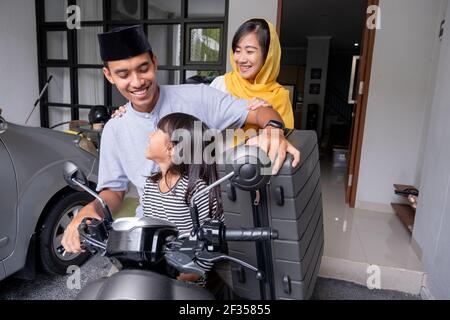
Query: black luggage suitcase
[(290, 203)]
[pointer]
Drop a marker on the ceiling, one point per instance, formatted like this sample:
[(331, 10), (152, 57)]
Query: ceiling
[(341, 19)]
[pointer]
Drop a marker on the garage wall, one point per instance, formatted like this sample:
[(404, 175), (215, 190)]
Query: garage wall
[(19, 86), (240, 11), (431, 91), (400, 98), (432, 222)]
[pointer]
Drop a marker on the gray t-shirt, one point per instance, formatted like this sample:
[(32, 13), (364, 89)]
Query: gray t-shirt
[(124, 139)]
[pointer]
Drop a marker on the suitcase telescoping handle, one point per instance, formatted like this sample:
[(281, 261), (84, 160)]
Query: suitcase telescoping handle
[(250, 234)]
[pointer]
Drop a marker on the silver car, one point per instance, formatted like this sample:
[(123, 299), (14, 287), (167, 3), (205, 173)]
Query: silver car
[(36, 205)]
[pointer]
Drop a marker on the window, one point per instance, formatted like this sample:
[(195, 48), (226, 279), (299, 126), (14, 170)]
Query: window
[(164, 9), (206, 8), (203, 44), (201, 76), (187, 36), (126, 10), (166, 43), (57, 45)]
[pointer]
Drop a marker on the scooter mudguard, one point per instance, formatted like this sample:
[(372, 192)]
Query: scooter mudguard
[(142, 285)]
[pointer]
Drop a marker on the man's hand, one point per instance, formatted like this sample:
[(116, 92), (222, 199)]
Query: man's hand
[(71, 237), (273, 141)]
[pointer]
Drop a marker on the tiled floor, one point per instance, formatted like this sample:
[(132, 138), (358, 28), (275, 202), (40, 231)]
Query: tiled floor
[(357, 237)]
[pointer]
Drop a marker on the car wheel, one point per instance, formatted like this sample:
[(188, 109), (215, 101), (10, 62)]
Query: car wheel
[(58, 217)]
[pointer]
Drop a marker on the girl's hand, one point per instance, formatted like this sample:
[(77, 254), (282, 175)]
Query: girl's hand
[(188, 277), (119, 112), (256, 103)]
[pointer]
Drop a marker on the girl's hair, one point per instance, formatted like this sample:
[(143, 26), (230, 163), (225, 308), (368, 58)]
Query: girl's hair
[(195, 172), (258, 26)]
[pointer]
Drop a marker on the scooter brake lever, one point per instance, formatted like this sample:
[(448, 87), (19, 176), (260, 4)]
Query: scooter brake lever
[(213, 257)]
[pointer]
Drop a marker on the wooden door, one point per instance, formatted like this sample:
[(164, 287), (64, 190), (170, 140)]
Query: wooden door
[(362, 80)]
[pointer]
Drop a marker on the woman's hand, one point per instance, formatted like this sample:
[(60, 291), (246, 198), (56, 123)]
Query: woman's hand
[(256, 103), (119, 112)]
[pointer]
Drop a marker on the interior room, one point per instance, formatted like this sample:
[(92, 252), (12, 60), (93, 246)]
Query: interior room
[(323, 48)]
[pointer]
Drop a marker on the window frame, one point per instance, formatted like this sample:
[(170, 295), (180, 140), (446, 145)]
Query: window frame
[(107, 23)]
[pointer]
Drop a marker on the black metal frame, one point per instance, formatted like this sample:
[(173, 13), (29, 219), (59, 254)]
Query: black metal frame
[(107, 23)]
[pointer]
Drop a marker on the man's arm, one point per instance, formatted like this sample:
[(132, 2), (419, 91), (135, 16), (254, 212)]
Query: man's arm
[(71, 238), (261, 116), (94, 209), (221, 111), (112, 182), (271, 139)]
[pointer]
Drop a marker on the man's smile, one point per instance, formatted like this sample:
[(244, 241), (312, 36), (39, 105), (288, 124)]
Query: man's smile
[(140, 93)]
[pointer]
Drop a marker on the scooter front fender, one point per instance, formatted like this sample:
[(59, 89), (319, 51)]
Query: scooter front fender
[(142, 285)]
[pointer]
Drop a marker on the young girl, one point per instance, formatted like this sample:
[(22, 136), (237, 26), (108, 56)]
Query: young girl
[(167, 193)]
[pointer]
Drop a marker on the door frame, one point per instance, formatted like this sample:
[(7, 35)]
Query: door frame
[(365, 72), (279, 16)]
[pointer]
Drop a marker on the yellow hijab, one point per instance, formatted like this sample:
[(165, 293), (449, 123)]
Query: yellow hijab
[(265, 86)]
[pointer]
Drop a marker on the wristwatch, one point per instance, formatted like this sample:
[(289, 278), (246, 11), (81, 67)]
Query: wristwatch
[(275, 123)]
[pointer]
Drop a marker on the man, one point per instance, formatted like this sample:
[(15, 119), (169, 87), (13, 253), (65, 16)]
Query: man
[(131, 66)]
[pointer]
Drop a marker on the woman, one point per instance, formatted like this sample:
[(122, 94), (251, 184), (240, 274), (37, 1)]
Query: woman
[(255, 59)]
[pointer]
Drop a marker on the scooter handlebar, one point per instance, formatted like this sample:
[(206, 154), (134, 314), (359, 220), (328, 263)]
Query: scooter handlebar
[(93, 233), (250, 234)]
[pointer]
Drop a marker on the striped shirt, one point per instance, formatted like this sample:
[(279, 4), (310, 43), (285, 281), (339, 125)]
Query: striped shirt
[(171, 206)]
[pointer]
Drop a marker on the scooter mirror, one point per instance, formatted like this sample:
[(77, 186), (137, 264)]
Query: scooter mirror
[(71, 171), (251, 167), (77, 180)]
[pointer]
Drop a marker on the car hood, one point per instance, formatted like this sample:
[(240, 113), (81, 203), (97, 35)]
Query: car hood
[(41, 132), (34, 149)]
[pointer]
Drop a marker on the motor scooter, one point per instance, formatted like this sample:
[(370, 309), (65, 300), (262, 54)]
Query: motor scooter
[(143, 248)]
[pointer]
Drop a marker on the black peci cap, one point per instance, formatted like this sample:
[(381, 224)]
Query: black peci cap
[(123, 43)]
